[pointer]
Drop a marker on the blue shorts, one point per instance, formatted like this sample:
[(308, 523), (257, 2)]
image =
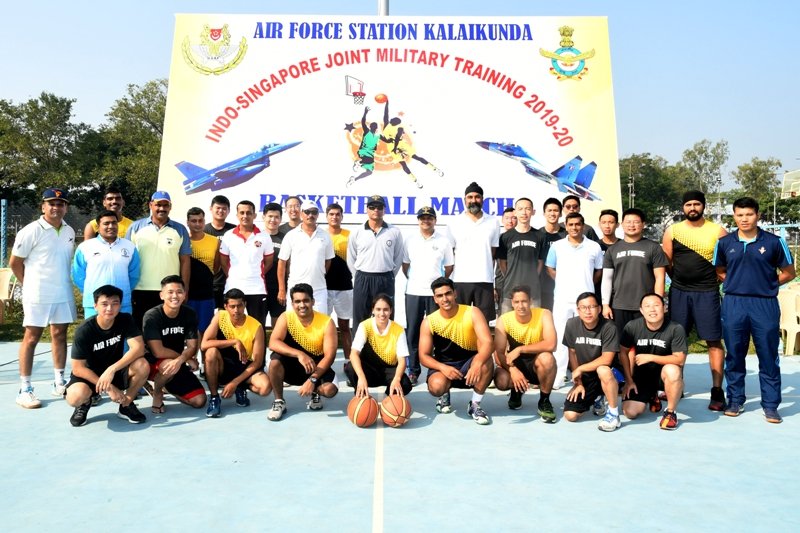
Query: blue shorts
[(205, 312), (698, 308)]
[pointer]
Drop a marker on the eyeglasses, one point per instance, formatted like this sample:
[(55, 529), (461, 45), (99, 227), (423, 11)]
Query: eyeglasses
[(586, 308), (311, 212), (375, 207)]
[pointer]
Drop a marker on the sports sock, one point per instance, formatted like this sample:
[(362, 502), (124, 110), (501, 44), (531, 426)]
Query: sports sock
[(59, 375), (25, 382), (544, 396), (614, 411), (476, 398)]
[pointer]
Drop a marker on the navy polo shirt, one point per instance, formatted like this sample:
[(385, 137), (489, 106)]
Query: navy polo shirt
[(751, 266)]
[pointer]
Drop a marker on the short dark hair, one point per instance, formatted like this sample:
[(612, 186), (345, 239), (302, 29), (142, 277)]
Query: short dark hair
[(442, 282), (232, 294), (571, 197), (649, 294), (385, 297), (194, 211), (332, 207), (293, 197), (305, 288), (112, 189), (611, 212), (635, 211), (574, 215), (521, 288), (172, 278), (221, 200), (553, 201), (107, 290), (587, 294), (272, 206), (105, 213), (746, 202), (247, 202), (523, 199), (508, 210)]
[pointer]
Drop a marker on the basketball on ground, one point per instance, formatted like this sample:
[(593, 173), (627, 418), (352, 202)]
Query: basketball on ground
[(395, 410), (362, 412), (381, 98)]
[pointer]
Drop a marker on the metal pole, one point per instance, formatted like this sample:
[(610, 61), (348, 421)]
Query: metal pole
[(3, 232), (383, 8)]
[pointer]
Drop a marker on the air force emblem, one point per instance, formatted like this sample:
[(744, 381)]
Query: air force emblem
[(213, 54), (567, 62)]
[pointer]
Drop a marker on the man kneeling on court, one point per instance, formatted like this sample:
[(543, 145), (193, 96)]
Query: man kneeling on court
[(655, 351), (99, 362), (303, 345), (524, 341), (170, 332), (592, 343), (233, 345), (455, 345)]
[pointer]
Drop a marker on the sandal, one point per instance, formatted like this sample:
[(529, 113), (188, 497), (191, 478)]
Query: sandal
[(158, 409)]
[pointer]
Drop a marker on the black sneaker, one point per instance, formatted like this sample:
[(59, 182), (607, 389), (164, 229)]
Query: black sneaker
[(96, 399), (717, 402), (78, 417), (546, 411), (131, 414), (241, 398), (515, 400)]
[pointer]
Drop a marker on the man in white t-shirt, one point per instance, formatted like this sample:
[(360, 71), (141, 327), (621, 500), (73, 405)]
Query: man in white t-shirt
[(245, 254), (41, 260), (306, 252), (475, 238)]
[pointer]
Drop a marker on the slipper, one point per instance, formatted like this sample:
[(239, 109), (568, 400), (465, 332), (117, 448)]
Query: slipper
[(158, 409)]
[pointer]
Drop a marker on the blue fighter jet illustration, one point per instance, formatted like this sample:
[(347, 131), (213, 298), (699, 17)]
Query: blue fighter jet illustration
[(569, 177), (231, 173)]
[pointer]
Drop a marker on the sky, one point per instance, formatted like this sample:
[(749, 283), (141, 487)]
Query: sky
[(683, 71)]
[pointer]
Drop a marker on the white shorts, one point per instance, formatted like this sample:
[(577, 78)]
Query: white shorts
[(342, 303), (41, 315)]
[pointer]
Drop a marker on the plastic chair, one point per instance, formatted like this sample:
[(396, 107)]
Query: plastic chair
[(790, 319), (6, 291)]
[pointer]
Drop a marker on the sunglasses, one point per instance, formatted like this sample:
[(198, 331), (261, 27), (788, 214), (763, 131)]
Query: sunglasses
[(311, 212), (374, 207)]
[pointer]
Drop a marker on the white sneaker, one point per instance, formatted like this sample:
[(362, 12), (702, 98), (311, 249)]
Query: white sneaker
[(277, 411), (59, 389), (609, 422), (27, 399)]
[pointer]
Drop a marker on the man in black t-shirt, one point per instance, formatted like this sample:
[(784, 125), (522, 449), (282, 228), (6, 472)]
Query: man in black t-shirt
[(220, 208), (170, 331), (101, 364), (653, 351), (271, 215)]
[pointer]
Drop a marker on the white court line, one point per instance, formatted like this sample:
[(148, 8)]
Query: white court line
[(377, 483)]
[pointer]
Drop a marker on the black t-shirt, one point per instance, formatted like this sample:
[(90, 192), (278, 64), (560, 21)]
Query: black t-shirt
[(548, 284), (219, 277), (522, 254), (633, 264), (172, 332), (589, 344), (666, 340), (202, 281), (99, 347), (271, 277)]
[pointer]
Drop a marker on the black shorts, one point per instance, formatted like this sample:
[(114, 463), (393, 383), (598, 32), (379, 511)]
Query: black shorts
[(700, 309), (184, 384), (120, 380), (295, 374), (593, 387), (274, 308), (377, 376), (622, 317), (526, 365), (232, 366), (462, 366), (481, 295), (257, 307), (647, 378)]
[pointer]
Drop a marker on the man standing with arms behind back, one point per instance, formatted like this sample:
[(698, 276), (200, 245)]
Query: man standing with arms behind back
[(694, 291), (40, 260), (220, 207)]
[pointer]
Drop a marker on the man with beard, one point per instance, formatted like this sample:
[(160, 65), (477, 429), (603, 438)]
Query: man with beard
[(694, 291), (519, 256), (112, 201), (475, 238)]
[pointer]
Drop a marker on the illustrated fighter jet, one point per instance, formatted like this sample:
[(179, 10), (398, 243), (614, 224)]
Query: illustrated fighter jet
[(231, 173), (569, 177)]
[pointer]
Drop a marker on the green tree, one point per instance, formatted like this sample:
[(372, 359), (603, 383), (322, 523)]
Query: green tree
[(701, 166), (655, 189), (759, 179)]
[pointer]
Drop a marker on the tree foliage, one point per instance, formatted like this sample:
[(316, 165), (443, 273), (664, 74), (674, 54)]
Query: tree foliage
[(759, 178), (701, 166), (655, 189)]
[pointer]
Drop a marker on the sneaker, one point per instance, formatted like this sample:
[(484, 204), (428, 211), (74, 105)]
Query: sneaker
[(772, 415), (599, 406), (350, 181), (669, 420), (59, 389), (546, 411), (443, 404), (315, 403), (478, 414), (214, 406), (418, 184), (78, 417), (96, 399), (27, 399), (734, 409), (662, 396), (131, 414), (609, 422), (277, 411), (515, 400), (655, 405), (717, 402), (241, 398), (414, 379)]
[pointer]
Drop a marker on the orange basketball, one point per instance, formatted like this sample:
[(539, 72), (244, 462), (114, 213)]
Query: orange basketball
[(395, 410), (381, 98), (362, 412)]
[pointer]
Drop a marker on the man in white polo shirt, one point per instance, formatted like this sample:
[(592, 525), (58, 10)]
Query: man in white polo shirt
[(245, 254), (475, 238), (576, 264), (427, 256), (307, 252), (40, 260)]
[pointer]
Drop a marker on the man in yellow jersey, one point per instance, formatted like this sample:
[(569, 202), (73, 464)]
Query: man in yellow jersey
[(112, 201), (234, 352), (303, 345), (455, 344), (204, 263), (524, 341)]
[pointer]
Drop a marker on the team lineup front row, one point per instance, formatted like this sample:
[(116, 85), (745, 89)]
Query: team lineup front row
[(110, 355)]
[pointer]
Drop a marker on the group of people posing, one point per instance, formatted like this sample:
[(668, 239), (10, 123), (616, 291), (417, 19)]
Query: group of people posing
[(167, 304)]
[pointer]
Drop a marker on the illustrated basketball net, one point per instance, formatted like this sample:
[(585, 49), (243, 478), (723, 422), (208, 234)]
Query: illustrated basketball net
[(791, 185), (355, 88)]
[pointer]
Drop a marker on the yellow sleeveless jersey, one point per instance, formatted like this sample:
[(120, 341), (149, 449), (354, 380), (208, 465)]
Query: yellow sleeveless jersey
[(519, 334), (245, 333), (307, 339), (454, 339)]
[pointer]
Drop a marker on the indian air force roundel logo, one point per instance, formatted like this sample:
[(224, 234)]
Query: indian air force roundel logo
[(567, 62)]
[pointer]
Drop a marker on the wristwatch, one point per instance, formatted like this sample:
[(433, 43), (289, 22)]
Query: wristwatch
[(313, 381)]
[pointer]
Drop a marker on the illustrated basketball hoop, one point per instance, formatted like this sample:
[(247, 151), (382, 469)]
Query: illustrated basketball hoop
[(355, 88), (791, 184)]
